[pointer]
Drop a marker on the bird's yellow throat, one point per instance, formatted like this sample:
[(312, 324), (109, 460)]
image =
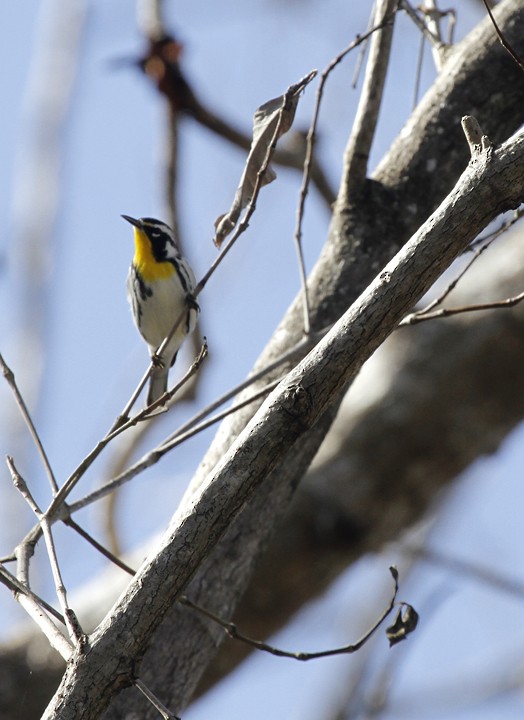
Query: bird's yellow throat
[(146, 264)]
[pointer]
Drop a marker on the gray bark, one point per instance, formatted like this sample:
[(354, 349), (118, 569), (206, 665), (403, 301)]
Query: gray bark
[(295, 407), (367, 229), (481, 79)]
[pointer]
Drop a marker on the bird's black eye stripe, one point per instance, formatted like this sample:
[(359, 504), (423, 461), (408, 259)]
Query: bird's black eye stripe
[(161, 238), (160, 243)]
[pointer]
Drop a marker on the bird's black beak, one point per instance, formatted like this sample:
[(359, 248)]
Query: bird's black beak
[(131, 220)]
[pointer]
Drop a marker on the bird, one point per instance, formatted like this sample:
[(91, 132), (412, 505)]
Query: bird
[(160, 286)]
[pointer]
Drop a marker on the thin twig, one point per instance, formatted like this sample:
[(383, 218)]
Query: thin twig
[(99, 547), (505, 44), (21, 485), (233, 632), (171, 174), (251, 206), (466, 568), (33, 606), (438, 47), (70, 618), (148, 412), (418, 75), (415, 318), (477, 252), (23, 554), (155, 455), (155, 702), (298, 233), (240, 229), (432, 19), (117, 429), (291, 355), (123, 418), (16, 586), (195, 424), (310, 145), (493, 234), (362, 53), (72, 624), (477, 248), (10, 378), (194, 341)]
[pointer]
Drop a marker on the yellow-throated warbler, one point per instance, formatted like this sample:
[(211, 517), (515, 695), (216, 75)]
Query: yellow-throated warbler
[(160, 287)]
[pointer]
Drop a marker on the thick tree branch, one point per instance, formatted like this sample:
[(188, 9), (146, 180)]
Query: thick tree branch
[(418, 171), (490, 185), (363, 237), (356, 156)]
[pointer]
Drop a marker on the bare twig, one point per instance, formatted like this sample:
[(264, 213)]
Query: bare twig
[(72, 624), (494, 234), (149, 411), (162, 401), (155, 455), (162, 65), (155, 702), (123, 418), (418, 75), (298, 230), (25, 596), (17, 587), (194, 341), (195, 424), (418, 317), (432, 19), (438, 47), (70, 618), (356, 155), (465, 568), (119, 427), (187, 430), (241, 227), (383, 15), (98, 546), (33, 607), (362, 52), (21, 485), (233, 632), (171, 174), (10, 378), (505, 44), (477, 248)]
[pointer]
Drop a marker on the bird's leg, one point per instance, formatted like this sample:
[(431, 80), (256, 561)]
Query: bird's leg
[(191, 302), (157, 361)]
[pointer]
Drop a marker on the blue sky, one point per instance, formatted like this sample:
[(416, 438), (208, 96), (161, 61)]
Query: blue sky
[(78, 365)]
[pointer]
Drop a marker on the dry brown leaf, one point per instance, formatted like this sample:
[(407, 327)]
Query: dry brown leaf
[(270, 122)]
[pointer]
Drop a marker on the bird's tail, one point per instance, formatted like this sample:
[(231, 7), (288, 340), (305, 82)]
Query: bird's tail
[(157, 383)]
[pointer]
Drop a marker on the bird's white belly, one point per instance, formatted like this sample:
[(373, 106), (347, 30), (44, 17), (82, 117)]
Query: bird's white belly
[(159, 312)]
